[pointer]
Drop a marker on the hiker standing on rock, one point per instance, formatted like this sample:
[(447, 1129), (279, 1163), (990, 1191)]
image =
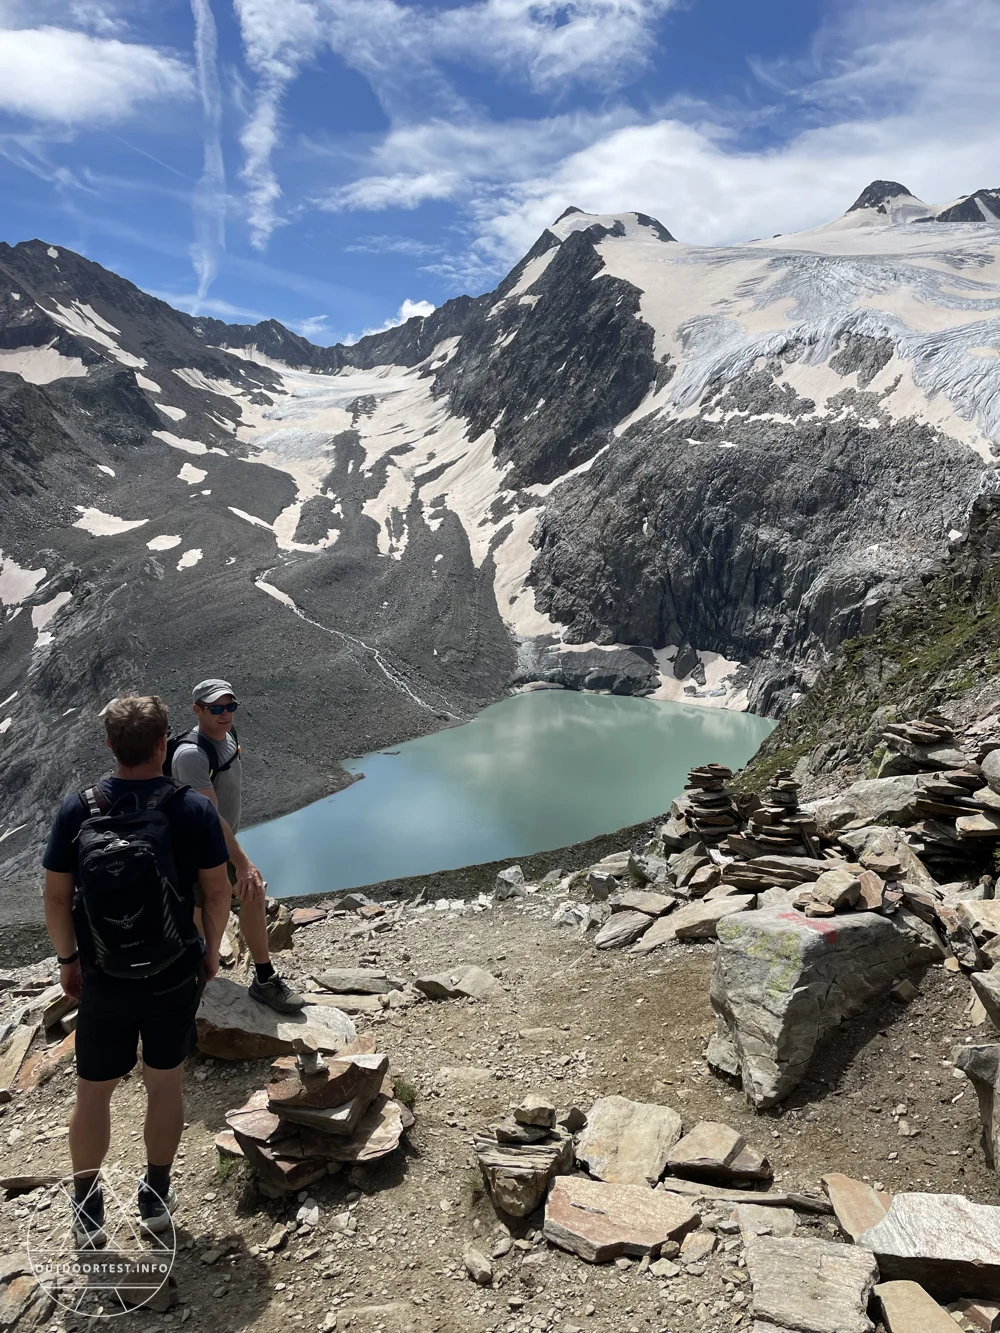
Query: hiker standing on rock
[(208, 758), (121, 866)]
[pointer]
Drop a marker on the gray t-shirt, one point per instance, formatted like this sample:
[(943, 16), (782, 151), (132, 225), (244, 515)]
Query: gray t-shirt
[(191, 767)]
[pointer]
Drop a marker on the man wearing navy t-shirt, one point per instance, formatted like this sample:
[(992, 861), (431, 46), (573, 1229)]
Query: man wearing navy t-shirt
[(116, 1012)]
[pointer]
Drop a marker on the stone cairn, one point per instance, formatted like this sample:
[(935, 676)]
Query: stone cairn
[(316, 1115), (777, 826), (710, 809)]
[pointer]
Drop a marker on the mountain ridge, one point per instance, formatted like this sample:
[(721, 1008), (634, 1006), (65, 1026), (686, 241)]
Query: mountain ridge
[(637, 465)]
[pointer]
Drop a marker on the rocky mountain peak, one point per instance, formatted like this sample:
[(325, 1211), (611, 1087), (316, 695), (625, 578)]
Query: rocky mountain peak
[(611, 224), (878, 194)]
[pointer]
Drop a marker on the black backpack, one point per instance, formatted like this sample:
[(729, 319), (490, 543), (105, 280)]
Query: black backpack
[(136, 916), (194, 736)]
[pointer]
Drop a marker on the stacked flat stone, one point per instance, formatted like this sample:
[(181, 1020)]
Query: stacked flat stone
[(778, 826), (922, 745), (710, 809)]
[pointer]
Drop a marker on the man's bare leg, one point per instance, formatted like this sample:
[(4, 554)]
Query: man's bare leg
[(90, 1125), (253, 923), (164, 1113)]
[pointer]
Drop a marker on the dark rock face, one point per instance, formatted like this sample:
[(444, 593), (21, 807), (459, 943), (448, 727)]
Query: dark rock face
[(759, 550), (877, 194), (616, 671), (978, 207), (565, 371)]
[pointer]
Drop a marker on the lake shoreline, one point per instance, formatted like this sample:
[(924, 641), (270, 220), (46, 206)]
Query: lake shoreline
[(538, 770), (26, 941)]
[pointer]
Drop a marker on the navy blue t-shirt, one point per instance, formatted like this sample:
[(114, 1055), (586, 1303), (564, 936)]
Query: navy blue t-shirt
[(198, 844)]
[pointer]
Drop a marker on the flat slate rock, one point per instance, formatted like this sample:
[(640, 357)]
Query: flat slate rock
[(695, 921), (948, 1244), (626, 1142), (802, 1203), (231, 1026), (358, 981), (907, 1308), (466, 980), (811, 1286), (598, 1221), (357, 1077), (643, 900), (706, 1151), (622, 929), (377, 1134), (856, 1205)]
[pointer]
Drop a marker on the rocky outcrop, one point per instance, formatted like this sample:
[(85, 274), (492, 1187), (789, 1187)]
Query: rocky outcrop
[(781, 981)]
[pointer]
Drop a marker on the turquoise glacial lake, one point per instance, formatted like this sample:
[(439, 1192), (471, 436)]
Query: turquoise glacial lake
[(538, 770)]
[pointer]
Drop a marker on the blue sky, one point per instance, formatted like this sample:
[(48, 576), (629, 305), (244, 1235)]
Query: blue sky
[(339, 164)]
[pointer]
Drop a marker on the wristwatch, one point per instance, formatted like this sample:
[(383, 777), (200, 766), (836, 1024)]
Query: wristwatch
[(64, 962)]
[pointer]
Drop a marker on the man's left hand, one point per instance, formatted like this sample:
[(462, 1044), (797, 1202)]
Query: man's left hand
[(71, 979), (249, 886)]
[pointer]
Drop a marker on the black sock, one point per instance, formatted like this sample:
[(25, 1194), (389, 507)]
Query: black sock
[(158, 1179), (83, 1183), (265, 971)]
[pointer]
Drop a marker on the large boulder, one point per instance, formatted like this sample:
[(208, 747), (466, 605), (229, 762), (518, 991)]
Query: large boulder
[(868, 802), (943, 1241), (231, 1026), (782, 980)]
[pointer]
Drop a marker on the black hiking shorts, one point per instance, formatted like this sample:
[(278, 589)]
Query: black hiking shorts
[(114, 1016)]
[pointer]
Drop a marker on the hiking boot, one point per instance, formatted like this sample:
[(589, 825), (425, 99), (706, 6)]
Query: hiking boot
[(155, 1213), (88, 1221), (276, 993)]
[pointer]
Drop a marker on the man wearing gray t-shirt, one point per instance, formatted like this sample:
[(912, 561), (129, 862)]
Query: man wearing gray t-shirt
[(209, 759)]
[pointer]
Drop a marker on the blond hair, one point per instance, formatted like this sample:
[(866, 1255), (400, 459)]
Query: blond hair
[(135, 725)]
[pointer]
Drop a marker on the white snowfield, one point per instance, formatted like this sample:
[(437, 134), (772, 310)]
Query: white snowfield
[(932, 289)]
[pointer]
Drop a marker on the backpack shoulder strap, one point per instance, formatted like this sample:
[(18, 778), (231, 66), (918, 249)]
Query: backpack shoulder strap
[(95, 801), (232, 758), (209, 751), (165, 793)]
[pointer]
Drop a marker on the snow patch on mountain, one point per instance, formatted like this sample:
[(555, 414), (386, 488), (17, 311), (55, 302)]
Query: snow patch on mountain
[(85, 322), (100, 524), (40, 365), (17, 582), (176, 442)]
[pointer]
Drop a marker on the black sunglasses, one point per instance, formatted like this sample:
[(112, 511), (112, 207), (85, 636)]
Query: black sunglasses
[(218, 709)]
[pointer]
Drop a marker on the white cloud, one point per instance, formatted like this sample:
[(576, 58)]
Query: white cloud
[(904, 93), (392, 245), (210, 192), (547, 42), (312, 327), (396, 191), (196, 304), (408, 310), (279, 36), (55, 74)]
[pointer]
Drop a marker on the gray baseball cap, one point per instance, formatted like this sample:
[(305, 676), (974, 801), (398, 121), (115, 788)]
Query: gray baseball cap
[(208, 691)]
